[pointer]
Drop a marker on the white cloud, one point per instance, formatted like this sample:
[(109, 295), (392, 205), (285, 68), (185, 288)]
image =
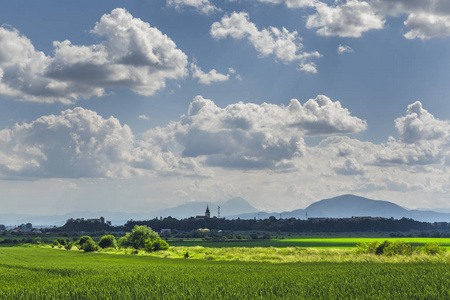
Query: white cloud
[(79, 143), (292, 3), (133, 55), (350, 19), (143, 117), (419, 125), (344, 49), (203, 6), (425, 18), (308, 67), (282, 44), (252, 136), (425, 26), (207, 78), (349, 167)]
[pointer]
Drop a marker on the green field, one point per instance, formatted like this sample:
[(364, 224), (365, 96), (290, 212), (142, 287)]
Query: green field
[(310, 242), (38, 273)]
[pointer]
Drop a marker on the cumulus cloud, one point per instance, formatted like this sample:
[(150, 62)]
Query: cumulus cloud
[(419, 125), (349, 167), (208, 78), (143, 117), (425, 19), (79, 143), (350, 19), (292, 3), (203, 6), (252, 136), (426, 26), (133, 55), (344, 49), (423, 139), (281, 43)]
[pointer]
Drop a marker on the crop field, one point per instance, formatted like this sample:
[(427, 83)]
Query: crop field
[(39, 273), (310, 242)]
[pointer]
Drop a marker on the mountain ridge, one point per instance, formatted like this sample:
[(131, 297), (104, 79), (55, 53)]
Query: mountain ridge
[(343, 206)]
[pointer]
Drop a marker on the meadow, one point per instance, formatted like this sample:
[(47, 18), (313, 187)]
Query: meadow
[(44, 273), (316, 242)]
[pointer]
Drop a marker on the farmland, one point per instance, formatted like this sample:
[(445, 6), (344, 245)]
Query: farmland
[(316, 242), (329, 273), (38, 273)]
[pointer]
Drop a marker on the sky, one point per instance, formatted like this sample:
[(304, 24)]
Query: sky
[(140, 105)]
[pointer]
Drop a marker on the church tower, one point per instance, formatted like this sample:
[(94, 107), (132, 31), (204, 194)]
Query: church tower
[(207, 213)]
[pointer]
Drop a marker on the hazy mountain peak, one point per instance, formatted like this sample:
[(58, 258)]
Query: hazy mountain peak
[(349, 205)]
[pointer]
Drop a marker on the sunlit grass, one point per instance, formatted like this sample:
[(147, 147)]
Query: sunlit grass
[(294, 255), (38, 273)]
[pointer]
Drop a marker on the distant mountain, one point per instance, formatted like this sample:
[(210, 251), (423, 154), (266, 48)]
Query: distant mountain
[(228, 208), (346, 206)]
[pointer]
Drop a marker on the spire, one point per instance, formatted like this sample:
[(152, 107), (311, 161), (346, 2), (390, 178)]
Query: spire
[(207, 213)]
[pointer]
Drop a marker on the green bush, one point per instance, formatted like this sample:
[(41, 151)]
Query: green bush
[(381, 247), (68, 246), (156, 245), (56, 244), (366, 248), (398, 248), (125, 241), (62, 241), (87, 244), (433, 249), (138, 237), (140, 234), (107, 241), (90, 246)]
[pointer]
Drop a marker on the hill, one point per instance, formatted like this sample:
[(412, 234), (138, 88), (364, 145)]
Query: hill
[(346, 206), (228, 208)]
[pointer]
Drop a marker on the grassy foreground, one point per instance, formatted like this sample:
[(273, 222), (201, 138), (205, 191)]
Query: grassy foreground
[(37, 273)]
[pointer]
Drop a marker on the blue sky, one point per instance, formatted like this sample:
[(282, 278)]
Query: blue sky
[(141, 105)]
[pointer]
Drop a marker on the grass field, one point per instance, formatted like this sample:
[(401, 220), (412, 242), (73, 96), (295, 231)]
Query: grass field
[(310, 242), (37, 273)]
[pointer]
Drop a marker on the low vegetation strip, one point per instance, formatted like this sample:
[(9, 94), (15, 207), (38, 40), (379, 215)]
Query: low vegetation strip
[(304, 255), (307, 242), (37, 273)]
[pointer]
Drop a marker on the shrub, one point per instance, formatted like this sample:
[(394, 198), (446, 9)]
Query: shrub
[(433, 249), (381, 247), (62, 241), (156, 245), (107, 241), (398, 248), (90, 246), (124, 242), (86, 243), (56, 244), (68, 246), (366, 248)]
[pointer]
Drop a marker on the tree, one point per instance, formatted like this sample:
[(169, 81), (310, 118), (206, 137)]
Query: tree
[(90, 246), (140, 234), (87, 244), (107, 241), (125, 241)]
